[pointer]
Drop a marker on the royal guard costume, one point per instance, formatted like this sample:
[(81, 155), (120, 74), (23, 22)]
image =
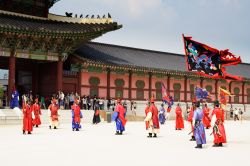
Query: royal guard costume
[(146, 112), (179, 122), (152, 119), (199, 130), (53, 114), (14, 99), (190, 120), (218, 127), (37, 113), (206, 119), (119, 118), (76, 116), (27, 118)]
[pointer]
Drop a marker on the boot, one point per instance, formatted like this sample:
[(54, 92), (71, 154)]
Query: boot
[(24, 132), (149, 135), (220, 144), (49, 127), (117, 133), (216, 145), (36, 126), (55, 127), (73, 129), (29, 132), (120, 133), (155, 136), (192, 138), (199, 146), (77, 129)]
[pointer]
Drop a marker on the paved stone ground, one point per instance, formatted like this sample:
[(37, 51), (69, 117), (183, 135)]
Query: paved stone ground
[(97, 145)]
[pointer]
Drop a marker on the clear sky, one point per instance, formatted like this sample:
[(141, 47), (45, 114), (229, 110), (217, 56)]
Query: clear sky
[(158, 24)]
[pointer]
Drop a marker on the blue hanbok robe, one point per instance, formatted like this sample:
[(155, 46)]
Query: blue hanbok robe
[(119, 125), (14, 100), (75, 125), (199, 130), (162, 118)]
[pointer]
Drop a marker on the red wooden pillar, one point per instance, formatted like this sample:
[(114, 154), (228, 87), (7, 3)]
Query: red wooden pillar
[(59, 74), (216, 89), (243, 92), (80, 82), (108, 82), (230, 90), (150, 85), (201, 83), (185, 89), (12, 73), (130, 85), (168, 84)]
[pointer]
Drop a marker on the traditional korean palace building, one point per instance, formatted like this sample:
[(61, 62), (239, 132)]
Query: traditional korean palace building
[(34, 43), (136, 74), (46, 53)]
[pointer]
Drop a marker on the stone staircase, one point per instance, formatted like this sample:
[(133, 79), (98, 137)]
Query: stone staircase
[(14, 117)]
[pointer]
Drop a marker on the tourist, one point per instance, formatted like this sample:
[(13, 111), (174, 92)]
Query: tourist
[(96, 116), (84, 103), (76, 115), (37, 113), (152, 119), (231, 112), (101, 103), (199, 130), (162, 117), (61, 100), (27, 117), (42, 103), (124, 104), (218, 126), (71, 99), (53, 112), (179, 122), (206, 118), (133, 106), (119, 118), (236, 114)]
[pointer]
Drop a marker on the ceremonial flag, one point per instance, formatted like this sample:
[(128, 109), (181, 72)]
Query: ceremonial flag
[(223, 97), (166, 98), (208, 61), (201, 94)]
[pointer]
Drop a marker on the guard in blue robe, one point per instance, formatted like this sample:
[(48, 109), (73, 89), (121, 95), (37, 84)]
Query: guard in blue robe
[(14, 99), (119, 117), (162, 117), (199, 130)]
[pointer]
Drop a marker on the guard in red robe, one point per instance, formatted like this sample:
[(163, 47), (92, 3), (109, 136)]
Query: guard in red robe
[(179, 122), (53, 108), (37, 113), (206, 119), (190, 120), (152, 119), (218, 126), (27, 118), (146, 112)]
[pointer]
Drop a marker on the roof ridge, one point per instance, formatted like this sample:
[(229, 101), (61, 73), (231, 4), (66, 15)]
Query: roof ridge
[(134, 48)]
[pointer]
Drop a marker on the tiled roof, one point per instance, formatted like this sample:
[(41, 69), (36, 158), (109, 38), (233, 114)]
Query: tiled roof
[(126, 56), (16, 24)]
